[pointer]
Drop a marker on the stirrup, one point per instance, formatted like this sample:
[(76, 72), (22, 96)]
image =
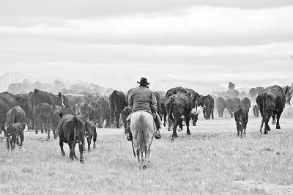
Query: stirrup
[(129, 137), (158, 135)]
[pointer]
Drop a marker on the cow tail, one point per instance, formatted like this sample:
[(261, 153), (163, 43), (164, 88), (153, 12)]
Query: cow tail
[(171, 109)]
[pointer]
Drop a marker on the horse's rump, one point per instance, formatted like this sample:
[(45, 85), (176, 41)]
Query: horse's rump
[(142, 127)]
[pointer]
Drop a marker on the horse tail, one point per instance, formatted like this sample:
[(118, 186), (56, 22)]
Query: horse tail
[(171, 108), (141, 131)]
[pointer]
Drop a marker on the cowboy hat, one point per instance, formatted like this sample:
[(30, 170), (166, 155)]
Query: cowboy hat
[(143, 81)]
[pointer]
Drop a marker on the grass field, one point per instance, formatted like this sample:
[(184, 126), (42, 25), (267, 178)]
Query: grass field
[(213, 160)]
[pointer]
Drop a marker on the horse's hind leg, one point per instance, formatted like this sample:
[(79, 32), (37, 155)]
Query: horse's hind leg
[(139, 157), (148, 152)]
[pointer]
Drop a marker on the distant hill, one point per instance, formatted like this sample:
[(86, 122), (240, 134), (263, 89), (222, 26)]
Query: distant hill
[(14, 77), (18, 83)]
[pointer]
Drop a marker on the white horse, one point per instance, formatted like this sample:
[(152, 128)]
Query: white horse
[(142, 127)]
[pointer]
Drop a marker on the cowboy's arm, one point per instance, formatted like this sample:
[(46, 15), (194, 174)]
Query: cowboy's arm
[(154, 107), (130, 101)]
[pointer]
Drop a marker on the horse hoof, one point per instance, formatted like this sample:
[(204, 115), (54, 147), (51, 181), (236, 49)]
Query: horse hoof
[(278, 127), (144, 167), (81, 161), (188, 133), (94, 147)]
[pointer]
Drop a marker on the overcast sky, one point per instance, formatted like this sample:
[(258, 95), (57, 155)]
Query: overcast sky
[(104, 41)]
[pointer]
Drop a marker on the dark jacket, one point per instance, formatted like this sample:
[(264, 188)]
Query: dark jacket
[(142, 98)]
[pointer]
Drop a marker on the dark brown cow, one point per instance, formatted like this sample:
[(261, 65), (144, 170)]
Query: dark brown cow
[(175, 90), (6, 103), (103, 109), (241, 119), (271, 102), (180, 104), (71, 130), (245, 103), (207, 102), (90, 133), (15, 122), (13, 131), (117, 104), (45, 118), (124, 114), (220, 105), (15, 115), (39, 96)]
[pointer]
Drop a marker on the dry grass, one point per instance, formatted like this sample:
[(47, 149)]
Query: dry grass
[(213, 160)]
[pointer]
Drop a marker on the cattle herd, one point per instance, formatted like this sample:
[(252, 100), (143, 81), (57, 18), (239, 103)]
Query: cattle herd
[(75, 117)]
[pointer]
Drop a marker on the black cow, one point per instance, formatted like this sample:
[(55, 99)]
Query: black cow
[(245, 103), (180, 104), (175, 90), (255, 110), (207, 102), (71, 130), (14, 130), (6, 103), (220, 105), (271, 102), (15, 120), (15, 115), (103, 111), (231, 104), (241, 119), (45, 118), (38, 96), (124, 114), (117, 104), (90, 133)]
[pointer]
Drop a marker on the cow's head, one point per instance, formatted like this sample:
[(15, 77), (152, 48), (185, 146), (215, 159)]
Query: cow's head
[(288, 93)]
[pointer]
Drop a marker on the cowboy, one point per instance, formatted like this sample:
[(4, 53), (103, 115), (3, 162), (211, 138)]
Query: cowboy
[(142, 98)]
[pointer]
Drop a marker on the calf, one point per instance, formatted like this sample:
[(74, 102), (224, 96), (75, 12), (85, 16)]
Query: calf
[(71, 131), (124, 114), (241, 119), (14, 130), (90, 133)]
